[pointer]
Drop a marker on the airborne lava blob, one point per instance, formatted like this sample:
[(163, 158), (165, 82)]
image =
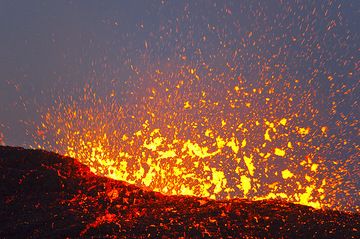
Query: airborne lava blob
[(231, 112)]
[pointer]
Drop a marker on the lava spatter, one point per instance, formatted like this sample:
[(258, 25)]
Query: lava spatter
[(237, 107), (202, 144)]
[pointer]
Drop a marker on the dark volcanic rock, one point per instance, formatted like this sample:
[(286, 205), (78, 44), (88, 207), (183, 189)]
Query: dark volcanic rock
[(45, 195)]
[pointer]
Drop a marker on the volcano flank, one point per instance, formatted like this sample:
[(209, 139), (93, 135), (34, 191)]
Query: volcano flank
[(46, 195)]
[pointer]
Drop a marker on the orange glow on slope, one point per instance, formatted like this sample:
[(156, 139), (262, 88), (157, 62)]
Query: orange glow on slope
[(209, 142), (2, 142)]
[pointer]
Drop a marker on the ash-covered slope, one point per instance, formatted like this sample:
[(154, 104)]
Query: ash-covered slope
[(50, 196)]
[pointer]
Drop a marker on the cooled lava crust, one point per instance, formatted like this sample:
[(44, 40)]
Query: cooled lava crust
[(46, 195)]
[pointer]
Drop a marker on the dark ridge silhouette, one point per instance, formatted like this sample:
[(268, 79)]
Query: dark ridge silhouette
[(45, 195)]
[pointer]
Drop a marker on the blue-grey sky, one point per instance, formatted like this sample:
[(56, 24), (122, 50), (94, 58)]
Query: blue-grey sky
[(51, 45)]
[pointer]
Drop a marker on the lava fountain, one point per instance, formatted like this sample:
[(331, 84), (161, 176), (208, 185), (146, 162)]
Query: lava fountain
[(224, 105), (192, 132)]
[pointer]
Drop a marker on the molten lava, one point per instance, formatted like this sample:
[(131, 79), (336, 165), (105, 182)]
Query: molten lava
[(191, 132)]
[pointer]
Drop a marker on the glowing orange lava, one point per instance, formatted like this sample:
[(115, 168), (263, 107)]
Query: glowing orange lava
[(192, 132)]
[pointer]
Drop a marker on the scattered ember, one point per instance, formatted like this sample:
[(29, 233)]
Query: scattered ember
[(230, 112)]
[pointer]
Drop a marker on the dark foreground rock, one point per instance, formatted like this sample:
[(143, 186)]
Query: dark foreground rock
[(45, 195)]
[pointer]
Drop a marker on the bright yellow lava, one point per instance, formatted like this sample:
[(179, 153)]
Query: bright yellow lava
[(202, 143)]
